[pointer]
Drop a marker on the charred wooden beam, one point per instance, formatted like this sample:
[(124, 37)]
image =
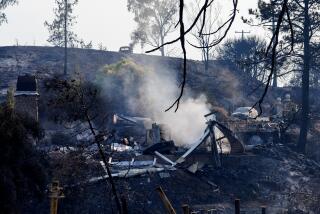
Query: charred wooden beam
[(167, 204)]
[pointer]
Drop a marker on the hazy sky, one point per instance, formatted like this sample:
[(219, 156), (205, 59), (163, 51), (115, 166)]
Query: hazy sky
[(99, 21)]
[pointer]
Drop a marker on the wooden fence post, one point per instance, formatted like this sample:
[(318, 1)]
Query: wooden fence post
[(237, 206), (186, 209), (124, 205)]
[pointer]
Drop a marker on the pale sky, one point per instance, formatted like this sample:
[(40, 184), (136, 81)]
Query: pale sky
[(100, 21)]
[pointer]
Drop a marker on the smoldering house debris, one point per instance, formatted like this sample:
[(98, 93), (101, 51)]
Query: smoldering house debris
[(143, 137), (156, 145), (148, 151), (229, 154), (146, 159), (225, 162)]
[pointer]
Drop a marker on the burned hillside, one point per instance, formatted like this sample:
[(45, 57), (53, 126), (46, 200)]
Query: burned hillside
[(46, 62)]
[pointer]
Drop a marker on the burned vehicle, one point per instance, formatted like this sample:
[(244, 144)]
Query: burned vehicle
[(252, 129), (245, 113), (126, 50)]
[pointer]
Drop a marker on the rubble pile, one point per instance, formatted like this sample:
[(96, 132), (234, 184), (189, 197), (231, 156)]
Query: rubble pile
[(204, 175)]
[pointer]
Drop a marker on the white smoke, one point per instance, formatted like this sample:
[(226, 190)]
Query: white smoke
[(148, 92), (158, 91)]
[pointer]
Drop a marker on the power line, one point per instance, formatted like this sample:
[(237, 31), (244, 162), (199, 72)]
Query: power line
[(242, 33)]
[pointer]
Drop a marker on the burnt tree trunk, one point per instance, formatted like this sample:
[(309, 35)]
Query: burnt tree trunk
[(205, 52), (206, 61), (305, 80), (162, 48), (65, 38), (275, 77)]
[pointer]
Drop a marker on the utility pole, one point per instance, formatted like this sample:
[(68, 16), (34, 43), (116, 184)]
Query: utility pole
[(55, 194), (242, 33), (242, 40)]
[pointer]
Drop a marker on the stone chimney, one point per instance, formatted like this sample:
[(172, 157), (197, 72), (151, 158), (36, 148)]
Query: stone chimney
[(26, 96)]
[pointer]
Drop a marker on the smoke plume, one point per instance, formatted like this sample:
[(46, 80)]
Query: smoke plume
[(148, 92)]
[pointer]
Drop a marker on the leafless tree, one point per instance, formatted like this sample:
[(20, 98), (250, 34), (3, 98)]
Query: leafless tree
[(204, 39), (155, 19), (223, 29), (101, 47)]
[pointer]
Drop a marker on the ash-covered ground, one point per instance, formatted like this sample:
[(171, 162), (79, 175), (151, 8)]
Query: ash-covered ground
[(273, 176)]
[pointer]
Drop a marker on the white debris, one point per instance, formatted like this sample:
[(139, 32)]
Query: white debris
[(116, 147), (133, 163)]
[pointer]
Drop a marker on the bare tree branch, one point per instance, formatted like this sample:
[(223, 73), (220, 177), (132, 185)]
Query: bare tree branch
[(183, 33), (274, 43), (182, 42)]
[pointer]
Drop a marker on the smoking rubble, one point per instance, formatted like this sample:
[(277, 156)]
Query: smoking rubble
[(145, 91)]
